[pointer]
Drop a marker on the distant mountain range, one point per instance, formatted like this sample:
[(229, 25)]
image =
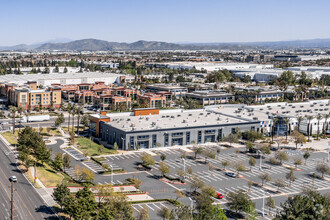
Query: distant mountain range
[(101, 45)]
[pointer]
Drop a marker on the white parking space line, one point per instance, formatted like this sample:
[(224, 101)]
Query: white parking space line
[(154, 204), (149, 207), (136, 209)]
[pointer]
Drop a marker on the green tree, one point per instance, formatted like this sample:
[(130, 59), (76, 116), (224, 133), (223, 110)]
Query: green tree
[(147, 160), (162, 156), (164, 168), (323, 168), (280, 183), (232, 138), (239, 167), (270, 203), (60, 193), (208, 153), (265, 177), (290, 177), (297, 162), (66, 162), (282, 156), (58, 161), (86, 200), (306, 156), (196, 183), (143, 214), (83, 174), (225, 163), (85, 121), (197, 150), (252, 162), (164, 213), (239, 201), (59, 120), (312, 206)]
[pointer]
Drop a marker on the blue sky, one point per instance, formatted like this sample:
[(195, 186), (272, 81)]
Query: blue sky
[(35, 21)]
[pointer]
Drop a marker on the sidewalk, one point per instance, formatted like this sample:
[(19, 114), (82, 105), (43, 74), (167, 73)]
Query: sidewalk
[(44, 192)]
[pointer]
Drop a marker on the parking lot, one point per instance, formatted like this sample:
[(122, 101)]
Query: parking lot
[(153, 208), (74, 153)]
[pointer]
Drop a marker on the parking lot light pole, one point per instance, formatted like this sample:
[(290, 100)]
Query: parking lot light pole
[(191, 205), (111, 173), (328, 151), (184, 166), (263, 203), (260, 168)]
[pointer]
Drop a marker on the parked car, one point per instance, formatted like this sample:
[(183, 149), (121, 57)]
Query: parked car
[(13, 179), (219, 196), (231, 174), (4, 122)]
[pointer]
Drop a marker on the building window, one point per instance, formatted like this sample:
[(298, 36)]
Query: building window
[(154, 140), (143, 137), (199, 137), (178, 134), (219, 134), (188, 138), (233, 130), (166, 140), (210, 132)]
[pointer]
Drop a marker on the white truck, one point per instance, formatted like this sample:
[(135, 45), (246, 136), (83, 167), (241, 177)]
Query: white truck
[(34, 118)]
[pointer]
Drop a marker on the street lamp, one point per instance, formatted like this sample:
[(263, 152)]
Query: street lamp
[(12, 180), (184, 165), (328, 151), (111, 173), (263, 203), (260, 168), (191, 205)]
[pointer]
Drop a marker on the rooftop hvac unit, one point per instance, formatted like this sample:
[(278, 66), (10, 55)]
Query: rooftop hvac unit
[(190, 115), (178, 115), (163, 116), (132, 125), (255, 118), (133, 129), (239, 116), (184, 121), (128, 119), (153, 124), (172, 116), (282, 107), (200, 113), (219, 119)]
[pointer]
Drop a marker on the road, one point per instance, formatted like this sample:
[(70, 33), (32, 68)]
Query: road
[(28, 204)]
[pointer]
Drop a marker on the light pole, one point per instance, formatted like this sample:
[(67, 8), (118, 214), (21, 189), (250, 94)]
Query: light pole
[(111, 173), (260, 168), (263, 203), (328, 151), (184, 166), (191, 205), (12, 201)]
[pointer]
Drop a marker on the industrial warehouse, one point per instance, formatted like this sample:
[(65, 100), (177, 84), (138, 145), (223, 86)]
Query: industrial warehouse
[(151, 128)]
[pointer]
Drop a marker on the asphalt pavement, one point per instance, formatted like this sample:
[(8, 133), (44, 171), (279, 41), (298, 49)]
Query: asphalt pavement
[(27, 202)]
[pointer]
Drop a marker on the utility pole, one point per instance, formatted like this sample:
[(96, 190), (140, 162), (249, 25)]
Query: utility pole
[(12, 201), (263, 203)]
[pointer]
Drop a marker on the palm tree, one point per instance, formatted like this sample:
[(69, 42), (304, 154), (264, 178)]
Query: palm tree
[(79, 109), (318, 118), (309, 118), (69, 109), (273, 128), (73, 112), (325, 126), (20, 111), (299, 120), (13, 110)]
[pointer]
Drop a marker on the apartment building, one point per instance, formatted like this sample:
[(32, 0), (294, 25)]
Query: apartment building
[(30, 97), (154, 100)]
